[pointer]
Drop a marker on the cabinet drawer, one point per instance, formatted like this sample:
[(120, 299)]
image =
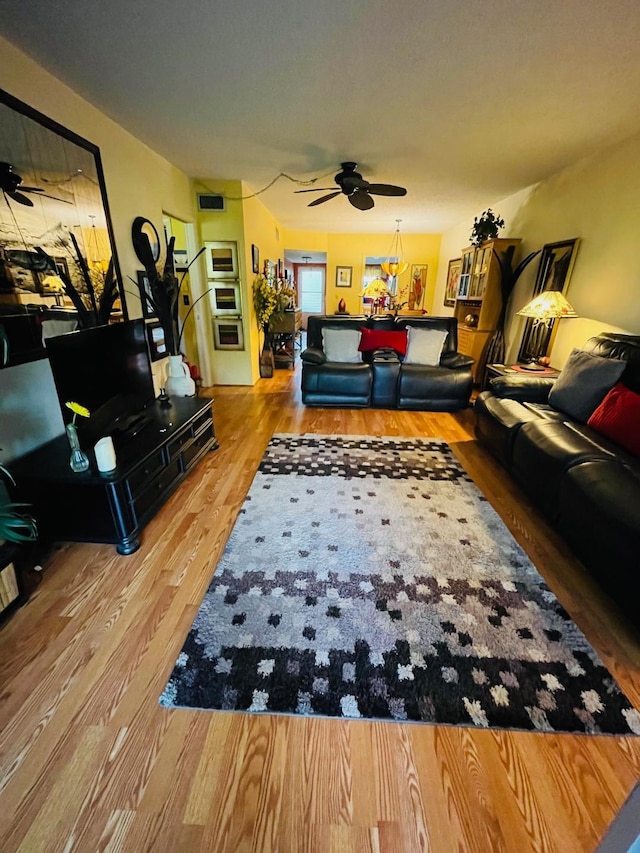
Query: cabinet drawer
[(197, 445), (466, 338), (143, 473), (175, 446), (157, 489), (201, 421)]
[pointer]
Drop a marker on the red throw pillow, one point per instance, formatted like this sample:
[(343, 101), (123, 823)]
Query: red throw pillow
[(378, 339), (618, 418)]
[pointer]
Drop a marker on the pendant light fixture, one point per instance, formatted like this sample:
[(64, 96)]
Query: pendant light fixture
[(398, 266)]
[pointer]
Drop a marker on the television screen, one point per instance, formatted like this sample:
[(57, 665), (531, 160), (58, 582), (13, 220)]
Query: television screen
[(107, 370)]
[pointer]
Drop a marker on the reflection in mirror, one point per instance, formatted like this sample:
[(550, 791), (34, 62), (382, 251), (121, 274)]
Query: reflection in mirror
[(56, 244)]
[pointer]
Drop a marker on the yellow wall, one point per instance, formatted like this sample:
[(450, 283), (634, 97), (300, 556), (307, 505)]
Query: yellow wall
[(350, 250), (262, 230), (597, 201), (139, 182), (230, 367)]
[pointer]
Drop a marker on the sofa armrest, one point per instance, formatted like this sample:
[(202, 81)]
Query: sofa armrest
[(455, 360), (313, 355), (524, 389)]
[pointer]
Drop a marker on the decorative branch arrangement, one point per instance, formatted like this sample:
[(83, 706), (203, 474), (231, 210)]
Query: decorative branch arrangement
[(165, 289)]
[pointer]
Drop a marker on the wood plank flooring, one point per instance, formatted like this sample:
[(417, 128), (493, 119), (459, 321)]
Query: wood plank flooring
[(90, 762)]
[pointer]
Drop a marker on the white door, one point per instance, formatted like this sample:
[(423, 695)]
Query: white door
[(311, 296)]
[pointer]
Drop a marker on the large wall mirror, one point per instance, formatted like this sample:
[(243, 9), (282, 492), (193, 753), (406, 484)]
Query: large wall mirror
[(53, 198)]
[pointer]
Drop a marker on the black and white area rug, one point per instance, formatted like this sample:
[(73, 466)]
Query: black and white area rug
[(369, 578)]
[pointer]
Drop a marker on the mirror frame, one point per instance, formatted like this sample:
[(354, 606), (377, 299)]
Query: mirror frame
[(50, 124)]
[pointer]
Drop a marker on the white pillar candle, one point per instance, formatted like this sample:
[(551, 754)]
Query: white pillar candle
[(105, 455)]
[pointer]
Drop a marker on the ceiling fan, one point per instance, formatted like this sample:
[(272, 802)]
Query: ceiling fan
[(358, 191), (12, 187)]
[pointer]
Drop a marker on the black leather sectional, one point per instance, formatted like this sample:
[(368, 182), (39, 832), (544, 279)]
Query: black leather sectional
[(382, 379), (587, 486)]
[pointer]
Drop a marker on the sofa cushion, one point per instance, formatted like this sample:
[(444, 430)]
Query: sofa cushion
[(342, 345), (382, 339), (424, 346), (583, 383), (618, 418)]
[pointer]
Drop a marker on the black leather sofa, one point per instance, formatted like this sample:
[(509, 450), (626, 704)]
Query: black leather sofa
[(586, 485), (381, 379)]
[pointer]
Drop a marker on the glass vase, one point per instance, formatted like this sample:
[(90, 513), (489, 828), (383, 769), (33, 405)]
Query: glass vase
[(79, 461)]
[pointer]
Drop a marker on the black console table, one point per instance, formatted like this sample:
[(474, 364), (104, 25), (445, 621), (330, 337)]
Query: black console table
[(95, 507)]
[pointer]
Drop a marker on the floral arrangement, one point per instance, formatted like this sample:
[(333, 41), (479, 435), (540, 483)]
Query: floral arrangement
[(485, 228), (77, 409), (265, 300)]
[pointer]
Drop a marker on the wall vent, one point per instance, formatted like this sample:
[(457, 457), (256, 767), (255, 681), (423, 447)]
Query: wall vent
[(210, 201)]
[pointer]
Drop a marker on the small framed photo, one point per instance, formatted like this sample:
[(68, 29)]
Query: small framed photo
[(144, 287), (453, 280), (343, 276), (156, 341), (255, 258)]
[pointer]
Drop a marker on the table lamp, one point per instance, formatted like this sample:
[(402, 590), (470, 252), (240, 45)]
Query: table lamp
[(543, 309)]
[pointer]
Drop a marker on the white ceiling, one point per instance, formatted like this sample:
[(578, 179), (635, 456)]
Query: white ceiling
[(463, 103)]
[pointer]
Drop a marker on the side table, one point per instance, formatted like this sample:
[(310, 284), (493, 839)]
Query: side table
[(493, 370)]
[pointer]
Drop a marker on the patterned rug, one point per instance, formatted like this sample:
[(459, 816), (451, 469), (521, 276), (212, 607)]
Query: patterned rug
[(369, 578)]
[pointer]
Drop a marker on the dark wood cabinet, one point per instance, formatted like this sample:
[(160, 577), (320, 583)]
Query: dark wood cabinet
[(95, 507)]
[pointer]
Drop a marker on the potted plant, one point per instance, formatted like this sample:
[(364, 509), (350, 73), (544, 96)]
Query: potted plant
[(16, 525), (486, 227)]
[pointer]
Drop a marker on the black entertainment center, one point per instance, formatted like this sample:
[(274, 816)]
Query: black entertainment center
[(107, 369)]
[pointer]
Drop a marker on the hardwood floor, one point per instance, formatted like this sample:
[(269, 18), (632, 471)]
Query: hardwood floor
[(89, 761)]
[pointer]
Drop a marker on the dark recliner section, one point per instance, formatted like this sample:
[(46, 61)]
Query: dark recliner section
[(382, 380), (586, 485)]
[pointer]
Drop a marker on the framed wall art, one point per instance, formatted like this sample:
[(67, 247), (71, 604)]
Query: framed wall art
[(148, 311), (156, 341), (417, 285), (453, 280), (227, 334), (225, 299), (343, 276), (556, 265), (255, 259), (222, 259)]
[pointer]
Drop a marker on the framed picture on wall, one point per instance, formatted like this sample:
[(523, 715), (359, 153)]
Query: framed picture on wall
[(453, 280), (148, 311), (343, 276), (255, 258), (556, 265), (222, 259), (227, 334), (155, 339), (417, 285)]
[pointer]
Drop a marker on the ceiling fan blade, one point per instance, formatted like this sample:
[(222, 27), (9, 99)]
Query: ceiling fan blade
[(361, 199), (55, 198), (386, 189), (22, 199), (324, 198), (314, 190), (30, 189)]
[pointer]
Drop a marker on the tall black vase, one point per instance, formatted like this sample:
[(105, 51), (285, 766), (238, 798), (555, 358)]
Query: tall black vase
[(266, 356), (495, 350)]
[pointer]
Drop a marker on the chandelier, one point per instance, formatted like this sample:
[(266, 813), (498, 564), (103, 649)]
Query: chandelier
[(398, 266)]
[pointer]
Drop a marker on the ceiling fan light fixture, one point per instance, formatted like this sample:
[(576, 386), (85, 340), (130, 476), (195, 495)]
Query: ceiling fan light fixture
[(398, 266)]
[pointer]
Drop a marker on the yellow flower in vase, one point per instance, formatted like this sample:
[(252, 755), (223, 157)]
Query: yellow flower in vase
[(79, 460)]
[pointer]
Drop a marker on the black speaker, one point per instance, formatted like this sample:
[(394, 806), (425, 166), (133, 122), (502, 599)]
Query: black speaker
[(210, 201)]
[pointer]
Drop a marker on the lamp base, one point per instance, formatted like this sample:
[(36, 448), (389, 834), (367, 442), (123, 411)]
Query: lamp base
[(533, 366)]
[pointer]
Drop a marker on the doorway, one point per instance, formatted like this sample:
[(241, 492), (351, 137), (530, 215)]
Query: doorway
[(310, 278)]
